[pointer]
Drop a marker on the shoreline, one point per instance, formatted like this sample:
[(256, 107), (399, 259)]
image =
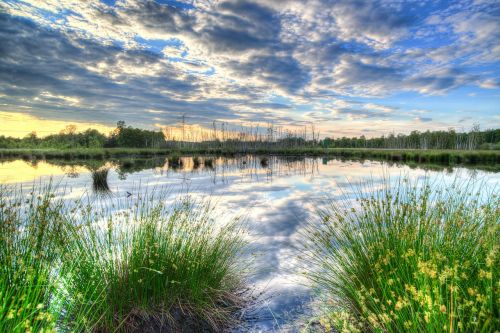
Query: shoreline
[(489, 158)]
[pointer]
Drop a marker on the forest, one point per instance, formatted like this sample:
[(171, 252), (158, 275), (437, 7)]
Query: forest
[(124, 136)]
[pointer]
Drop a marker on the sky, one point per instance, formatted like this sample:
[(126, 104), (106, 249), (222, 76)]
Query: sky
[(350, 67)]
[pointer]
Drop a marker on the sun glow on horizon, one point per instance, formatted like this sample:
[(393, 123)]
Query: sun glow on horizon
[(21, 171), (19, 125)]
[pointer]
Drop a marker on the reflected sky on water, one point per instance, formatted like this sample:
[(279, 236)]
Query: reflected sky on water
[(275, 196)]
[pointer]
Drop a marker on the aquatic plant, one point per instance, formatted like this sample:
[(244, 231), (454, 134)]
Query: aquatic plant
[(132, 265), (30, 230), (152, 267), (411, 257), (196, 162), (100, 184)]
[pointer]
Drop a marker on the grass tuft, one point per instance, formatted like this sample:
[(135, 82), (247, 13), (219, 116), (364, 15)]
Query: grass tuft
[(153, 268), (30, 230), (132, 266), (409, 258), (100, 184)]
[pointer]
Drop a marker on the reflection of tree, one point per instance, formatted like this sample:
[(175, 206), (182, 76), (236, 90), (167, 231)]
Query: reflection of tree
[(175, 162), (220, 168), (196, 162), (71, 171)]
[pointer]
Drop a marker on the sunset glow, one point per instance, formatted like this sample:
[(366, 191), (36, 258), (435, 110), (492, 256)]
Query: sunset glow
[(19, 125), (349, 67)]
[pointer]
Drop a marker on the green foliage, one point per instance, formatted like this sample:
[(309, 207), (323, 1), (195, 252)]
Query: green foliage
[(90, 138), (88, 267), (128, 137), (134, 137), (70, 139), (421, 140), (409, 258), (30, 229)]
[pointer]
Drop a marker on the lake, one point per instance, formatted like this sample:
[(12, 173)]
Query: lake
[(275, 196)]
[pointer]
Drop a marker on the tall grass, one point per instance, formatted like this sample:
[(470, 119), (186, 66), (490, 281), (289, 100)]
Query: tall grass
[(153, 268), (30, 230), (411, 257), (424, 156), (100, 181), (133, 267)]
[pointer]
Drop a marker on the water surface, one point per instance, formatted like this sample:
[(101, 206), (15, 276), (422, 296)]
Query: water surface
[(276, 195)]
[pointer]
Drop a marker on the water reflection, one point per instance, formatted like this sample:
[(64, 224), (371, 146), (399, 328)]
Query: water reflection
[(255, 167), (100, 184), (275, 194)]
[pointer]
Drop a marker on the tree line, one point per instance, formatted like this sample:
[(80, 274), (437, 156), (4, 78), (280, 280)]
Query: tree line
[(474, 139), (68, 138), (253, 138)]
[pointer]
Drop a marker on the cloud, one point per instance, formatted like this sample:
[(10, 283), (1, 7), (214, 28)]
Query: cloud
[(423, 119), (490, 84), (281, 72), (108, 82), (231, 59), (237, 27), (440, 81)]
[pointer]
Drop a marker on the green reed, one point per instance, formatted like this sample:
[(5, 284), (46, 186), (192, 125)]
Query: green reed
[(411, 257), (138, 265), (30, 230)]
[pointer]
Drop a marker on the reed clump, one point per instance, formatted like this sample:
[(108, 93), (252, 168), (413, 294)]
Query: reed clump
[(100, 181), (264, 162), (30, 231), (196, 162), (209, 163), (411, 257), (159, 268), (131, 266)]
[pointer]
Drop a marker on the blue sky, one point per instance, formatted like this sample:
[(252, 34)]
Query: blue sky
[(350, 67)]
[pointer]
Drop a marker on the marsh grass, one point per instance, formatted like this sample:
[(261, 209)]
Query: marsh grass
[(100, 184), (137, 265), (154, 267), (410, 257), (421, 156), (30, 230), (196, 162)]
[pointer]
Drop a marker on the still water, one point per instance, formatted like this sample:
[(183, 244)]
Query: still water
[(276, 196)]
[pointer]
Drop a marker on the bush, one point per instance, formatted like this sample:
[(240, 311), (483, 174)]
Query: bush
[(409, 258)]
